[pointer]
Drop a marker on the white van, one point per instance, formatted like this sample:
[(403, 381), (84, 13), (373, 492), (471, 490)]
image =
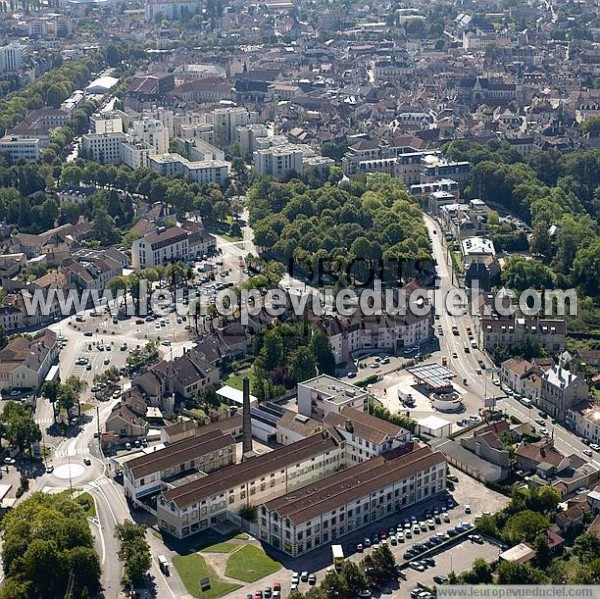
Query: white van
[(526, 402), (163, 564)]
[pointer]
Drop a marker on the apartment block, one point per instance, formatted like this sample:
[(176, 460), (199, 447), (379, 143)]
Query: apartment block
[(227, 120), (323, 394), (560, 390), (12, 57), (159, 248), (20, 146), (103, 147), (353, 498), (278, 161), (151, 131), (171, 9), (207, 171), (584, 419)]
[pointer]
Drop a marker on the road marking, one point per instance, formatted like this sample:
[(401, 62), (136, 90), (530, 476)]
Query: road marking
[(96, 484), (64, 453)]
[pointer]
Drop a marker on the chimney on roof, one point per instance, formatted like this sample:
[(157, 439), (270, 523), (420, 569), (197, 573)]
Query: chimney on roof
[(349, 426), (246, 417)]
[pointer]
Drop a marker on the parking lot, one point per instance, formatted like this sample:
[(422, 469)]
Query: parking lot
[(458, 558)]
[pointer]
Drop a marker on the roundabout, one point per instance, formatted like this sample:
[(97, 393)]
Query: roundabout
[(69, 471)]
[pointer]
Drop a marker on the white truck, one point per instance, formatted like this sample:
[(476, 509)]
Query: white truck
[(337, 551)]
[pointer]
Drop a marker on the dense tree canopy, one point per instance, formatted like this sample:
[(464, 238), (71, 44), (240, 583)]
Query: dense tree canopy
[(350, 227), (48, 548)]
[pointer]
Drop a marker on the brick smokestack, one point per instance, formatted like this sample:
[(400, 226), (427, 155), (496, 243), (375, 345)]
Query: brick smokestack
[(246, 417)]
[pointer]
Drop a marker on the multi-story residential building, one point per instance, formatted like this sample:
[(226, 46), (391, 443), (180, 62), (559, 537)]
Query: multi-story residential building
[(366, 436), (322, 512), (12, 57), (152, 132), (207, 171), (20, 146), (226, 121), (205, 452), (24, 363), (172, 9), (422, 190), (278, 161), (560, 390), (323, 394), (204, 502), (159, 248), (103, 147), (584, 419), (137, 154), (107, 122), (523, 377), (493, 329), (392, 70), (50, 26), (435, 168)]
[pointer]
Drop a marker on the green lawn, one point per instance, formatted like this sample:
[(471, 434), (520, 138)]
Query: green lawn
[(85, 407), (192, 568), (235, 380), (221, 548), (250, 563), (242, 536), (87, 502)]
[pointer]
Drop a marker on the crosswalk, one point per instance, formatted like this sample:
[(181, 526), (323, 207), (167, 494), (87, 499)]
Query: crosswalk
[(44, 421), (96, 484), (64, 453)]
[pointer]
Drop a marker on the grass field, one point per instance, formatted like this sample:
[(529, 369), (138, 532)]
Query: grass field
[(221, 548), (235, 380), (250, 563), (87, 502), (192, 568)]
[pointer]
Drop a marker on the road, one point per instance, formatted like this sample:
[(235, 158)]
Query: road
[(480, 386)]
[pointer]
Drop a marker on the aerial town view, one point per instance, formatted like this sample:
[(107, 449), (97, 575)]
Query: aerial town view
[(299, 299)]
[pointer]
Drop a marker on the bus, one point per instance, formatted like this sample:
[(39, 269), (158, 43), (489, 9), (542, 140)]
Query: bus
[(337, 552)]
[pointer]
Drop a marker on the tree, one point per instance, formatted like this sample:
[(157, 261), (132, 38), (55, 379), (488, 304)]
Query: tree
[(587, 547), (515, 573), (480, 573), (334, 585), (525, 526), (134, 551), (3, 336), (384, 563), (545, 499), (302, 365), (520, 273), (51, 391), (354, 577), (322, 352), (21, 430), (49, 550)]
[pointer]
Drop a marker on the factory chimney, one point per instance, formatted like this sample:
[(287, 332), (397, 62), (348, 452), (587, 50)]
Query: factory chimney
[(246, 418)]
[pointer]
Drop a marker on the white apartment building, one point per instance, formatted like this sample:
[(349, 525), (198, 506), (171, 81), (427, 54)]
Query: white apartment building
[(226, 121), (19, 146), (584, 419), (152, 132), (206, 171), (202, 503), (172, 9), (136, 154), (164, 115), (351, 499), (103, 147), (12, 57), (106, 122), (561, 389), (159, 248), (323, 394), (277, 161)]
